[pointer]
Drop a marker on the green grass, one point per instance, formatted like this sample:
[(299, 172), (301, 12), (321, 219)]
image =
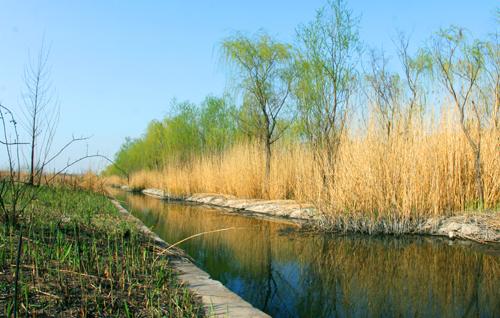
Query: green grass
[(79, 258)]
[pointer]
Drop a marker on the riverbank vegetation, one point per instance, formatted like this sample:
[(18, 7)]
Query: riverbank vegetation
[(80, 258), (367, 137)]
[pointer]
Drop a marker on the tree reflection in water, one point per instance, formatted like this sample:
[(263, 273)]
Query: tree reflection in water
[(286, 273)]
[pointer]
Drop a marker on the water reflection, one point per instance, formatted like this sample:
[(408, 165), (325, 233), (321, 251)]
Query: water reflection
[(287, 274)]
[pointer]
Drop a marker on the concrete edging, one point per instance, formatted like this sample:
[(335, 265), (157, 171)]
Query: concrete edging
[(217, 299), (284, 209), (474, 227)]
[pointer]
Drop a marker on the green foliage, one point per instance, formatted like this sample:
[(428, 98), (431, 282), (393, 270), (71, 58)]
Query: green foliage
[(421, 62), (258, 54), (459, 63), (263, 67), (266, 76), (217, 125), (325, 71), (188, 131), (181, 135), (129, 157)]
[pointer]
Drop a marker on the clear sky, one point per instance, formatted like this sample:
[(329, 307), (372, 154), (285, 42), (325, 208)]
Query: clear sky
[(116, 65)]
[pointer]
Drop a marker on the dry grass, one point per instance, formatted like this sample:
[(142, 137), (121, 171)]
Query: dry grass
[(239, 171), (84, 181), (427, 171)]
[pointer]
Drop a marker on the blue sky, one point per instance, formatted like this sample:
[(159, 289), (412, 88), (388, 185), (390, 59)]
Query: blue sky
[(116, 65)]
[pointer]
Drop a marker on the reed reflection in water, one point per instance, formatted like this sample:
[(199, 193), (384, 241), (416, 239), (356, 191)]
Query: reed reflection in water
[(288, 274)]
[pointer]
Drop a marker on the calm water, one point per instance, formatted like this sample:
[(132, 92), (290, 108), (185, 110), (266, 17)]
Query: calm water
[(287, 274)]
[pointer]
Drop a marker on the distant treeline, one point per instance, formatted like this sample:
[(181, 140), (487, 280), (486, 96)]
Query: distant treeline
[(190, 130)]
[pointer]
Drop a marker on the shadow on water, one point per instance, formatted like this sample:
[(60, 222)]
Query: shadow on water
[(288, 274)]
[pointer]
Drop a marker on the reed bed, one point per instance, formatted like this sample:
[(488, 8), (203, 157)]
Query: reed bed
[(403, 178)]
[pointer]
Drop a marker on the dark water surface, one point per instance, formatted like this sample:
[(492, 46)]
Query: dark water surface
[(288, 274)]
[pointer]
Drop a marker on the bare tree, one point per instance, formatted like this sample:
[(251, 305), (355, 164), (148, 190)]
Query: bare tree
[(459, 65), (40, 112), (16, 191), (41, 116), (16, 194), (415, 68), (385, 90), (12, 191), (491, 87)]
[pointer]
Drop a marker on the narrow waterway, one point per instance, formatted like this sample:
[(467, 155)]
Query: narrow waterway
[(288, 274)]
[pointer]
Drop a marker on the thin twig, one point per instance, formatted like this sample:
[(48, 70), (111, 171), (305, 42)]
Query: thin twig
[(193, 236)]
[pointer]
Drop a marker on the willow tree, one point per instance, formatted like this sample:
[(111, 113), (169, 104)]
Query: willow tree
[(459, 64), (262, 66), (154, 145), (386, 91), (416, 67), (216, 124), (491, 87), (181, 134), (326, 69)]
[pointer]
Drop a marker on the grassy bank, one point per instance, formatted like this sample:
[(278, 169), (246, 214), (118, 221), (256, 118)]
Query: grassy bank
[(79, 258)]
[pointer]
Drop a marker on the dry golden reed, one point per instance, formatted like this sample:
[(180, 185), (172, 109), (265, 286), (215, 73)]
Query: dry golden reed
[(412, 174)]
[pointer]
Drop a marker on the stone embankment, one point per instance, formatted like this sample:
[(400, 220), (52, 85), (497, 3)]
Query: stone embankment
[(480, 227)]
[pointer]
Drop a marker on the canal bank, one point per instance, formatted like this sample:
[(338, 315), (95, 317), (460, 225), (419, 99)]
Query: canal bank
[(479, 227), (217, 300)]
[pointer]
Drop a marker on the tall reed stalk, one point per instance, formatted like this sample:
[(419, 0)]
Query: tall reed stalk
[(417, 172)]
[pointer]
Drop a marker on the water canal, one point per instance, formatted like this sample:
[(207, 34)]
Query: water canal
[(286, 273)]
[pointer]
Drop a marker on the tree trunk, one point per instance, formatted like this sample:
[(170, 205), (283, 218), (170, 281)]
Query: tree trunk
[(32, 163), (476, 149), (268, 167), (479, 177), (332, 148), (34, 129)]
